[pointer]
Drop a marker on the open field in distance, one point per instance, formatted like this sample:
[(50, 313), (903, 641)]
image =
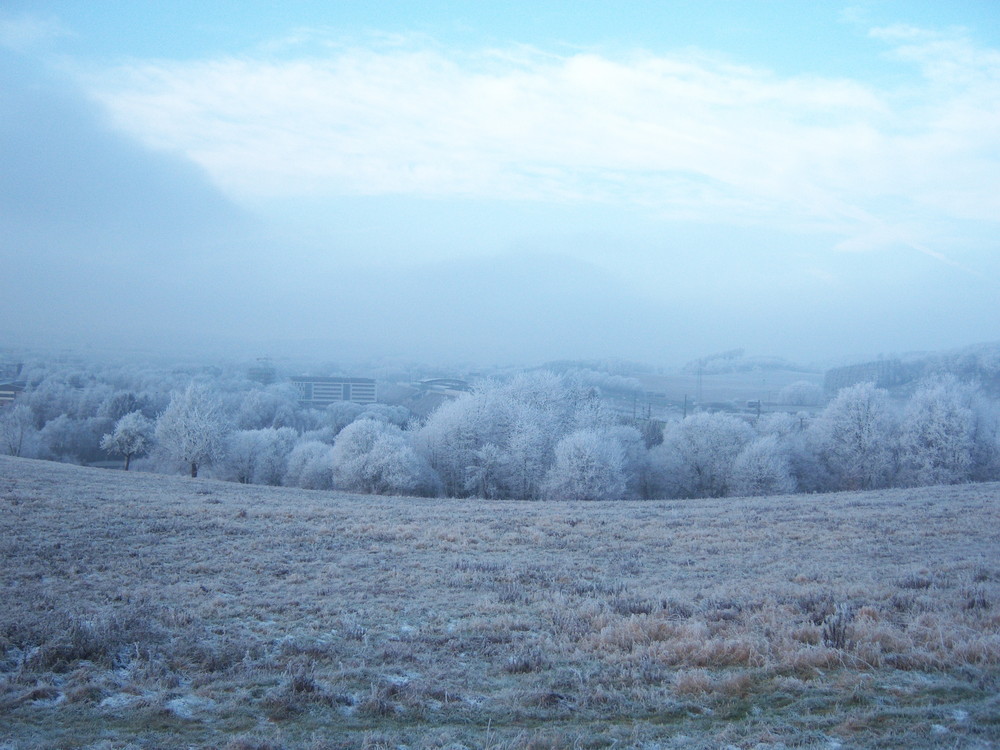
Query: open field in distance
[(149, 611)]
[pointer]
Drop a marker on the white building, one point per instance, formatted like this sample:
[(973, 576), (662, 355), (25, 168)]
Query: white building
[(318, 393)]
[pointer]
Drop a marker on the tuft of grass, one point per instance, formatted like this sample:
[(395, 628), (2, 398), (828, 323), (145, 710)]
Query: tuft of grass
[(836, 628), (530, 660)]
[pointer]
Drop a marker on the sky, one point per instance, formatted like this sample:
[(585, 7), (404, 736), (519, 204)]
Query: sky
[(501, 183)]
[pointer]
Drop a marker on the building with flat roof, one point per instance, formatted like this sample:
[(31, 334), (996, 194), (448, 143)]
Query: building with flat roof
[(319, 393), (10, 391)]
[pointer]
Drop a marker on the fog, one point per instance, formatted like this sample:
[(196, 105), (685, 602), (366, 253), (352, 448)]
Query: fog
[(163, 242)]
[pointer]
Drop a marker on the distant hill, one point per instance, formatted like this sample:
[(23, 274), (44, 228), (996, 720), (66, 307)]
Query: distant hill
[(979, 363), (736, 360)]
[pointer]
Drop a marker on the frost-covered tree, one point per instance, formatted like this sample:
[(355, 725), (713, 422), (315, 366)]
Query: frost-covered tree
[(986, 442), (376, 457), (500, 439), (266, 407), (120, 403), (801, 448), (310, 466), (488, 476), (257, 456), (546, 409), (239, 456), (57, 394), (340, 414), (132, 436), (397, 415), (604, 381), (527, 456), (73, 439), (697, 455), (801, 393), (937, 434), (638, 480), (762, 468), (191, 430), (455, 435), (589, 465), (17, 428), (856, 438)]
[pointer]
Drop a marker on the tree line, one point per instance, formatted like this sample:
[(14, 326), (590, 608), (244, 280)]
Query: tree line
[(533, 436)]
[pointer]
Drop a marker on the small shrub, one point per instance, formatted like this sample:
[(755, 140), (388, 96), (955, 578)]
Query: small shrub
[(817, 606), (835, 629)]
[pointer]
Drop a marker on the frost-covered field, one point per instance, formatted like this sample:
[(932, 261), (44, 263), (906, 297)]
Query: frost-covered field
[(151, 611)]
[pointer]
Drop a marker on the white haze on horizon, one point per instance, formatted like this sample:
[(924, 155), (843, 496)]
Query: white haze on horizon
[(506, 205)]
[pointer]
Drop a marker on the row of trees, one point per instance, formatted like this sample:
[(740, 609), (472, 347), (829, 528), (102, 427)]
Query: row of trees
[(530, 437)]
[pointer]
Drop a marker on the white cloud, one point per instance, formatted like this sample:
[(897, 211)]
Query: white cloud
[(683, 136)]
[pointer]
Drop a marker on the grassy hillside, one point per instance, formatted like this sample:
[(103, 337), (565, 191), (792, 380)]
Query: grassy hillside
[(146, 611)]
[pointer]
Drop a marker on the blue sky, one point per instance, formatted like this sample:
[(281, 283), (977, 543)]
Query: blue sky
[(504, 181)]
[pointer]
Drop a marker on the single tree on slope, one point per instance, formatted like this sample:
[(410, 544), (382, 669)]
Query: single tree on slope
[(192, 429), (132, 436)]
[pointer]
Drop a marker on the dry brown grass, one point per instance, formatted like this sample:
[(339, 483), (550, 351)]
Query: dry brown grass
[(145, 611)]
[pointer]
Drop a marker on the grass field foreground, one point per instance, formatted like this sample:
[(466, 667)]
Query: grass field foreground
[(147, 611)]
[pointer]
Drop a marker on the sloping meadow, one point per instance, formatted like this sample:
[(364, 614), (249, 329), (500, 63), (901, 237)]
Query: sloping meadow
[(151, 611)]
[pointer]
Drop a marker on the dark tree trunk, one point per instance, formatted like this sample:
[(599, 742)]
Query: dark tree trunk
[(128, 460), (194, 470)]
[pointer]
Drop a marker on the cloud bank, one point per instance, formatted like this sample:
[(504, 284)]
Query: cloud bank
[(684, 136)]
